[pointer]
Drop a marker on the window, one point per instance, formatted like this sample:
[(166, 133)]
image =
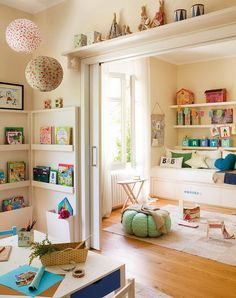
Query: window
[(120, 118)]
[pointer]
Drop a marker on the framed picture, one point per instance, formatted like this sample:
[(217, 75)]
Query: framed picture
[(11, 96), (222, 116), (224, 132)]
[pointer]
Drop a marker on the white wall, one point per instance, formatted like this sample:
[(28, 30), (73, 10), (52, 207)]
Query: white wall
[(163, 82), (60, 23), (12, 64)]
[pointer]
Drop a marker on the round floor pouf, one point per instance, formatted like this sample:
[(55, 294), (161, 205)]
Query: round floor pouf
[(143, 225)]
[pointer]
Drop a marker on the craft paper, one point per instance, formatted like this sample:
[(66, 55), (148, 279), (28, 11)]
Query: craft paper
[(37, 279), (48, 279)]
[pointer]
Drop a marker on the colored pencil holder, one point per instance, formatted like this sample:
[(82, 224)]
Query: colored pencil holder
[(180, 14), (197, 10), (25, 238)]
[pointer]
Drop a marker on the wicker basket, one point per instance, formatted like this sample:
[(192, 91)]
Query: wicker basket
[(67, 252)]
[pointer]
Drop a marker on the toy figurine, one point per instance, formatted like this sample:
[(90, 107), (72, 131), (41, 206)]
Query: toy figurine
[(159, 18), (47, 104), (115, 29), (145, 21)]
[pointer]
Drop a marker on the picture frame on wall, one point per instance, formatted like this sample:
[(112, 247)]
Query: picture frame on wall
[(11, 96)]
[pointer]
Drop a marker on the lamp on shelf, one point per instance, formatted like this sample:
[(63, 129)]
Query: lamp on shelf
[(23, 36), (44, 73)]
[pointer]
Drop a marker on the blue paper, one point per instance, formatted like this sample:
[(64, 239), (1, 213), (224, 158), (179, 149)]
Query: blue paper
[(48, 279)]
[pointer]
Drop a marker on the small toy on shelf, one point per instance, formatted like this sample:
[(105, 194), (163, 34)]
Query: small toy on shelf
[(59, 102), (125, 30), (159, 18), (47, 104), (145, 21), (197, 10), (184, 97), (115, 29), (80, 40), (180, 15), (53, 176), (92, 37)]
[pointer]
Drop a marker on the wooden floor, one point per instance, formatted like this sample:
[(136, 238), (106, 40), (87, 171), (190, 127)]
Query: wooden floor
[(175, 273)]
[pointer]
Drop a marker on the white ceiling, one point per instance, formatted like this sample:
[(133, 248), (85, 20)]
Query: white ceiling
[(201, 53), (31, 6)]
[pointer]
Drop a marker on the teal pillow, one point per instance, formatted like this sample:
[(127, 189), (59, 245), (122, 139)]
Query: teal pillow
[(226, 164), (186, 156)]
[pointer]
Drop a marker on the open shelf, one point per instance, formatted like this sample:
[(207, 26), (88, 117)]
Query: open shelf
[(53, 147), (205, 105), (205, 148), (203, 126), (14, 147), (14, 185), (56, 187)]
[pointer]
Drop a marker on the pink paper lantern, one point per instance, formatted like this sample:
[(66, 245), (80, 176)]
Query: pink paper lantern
[(23, 36), (44, 73)]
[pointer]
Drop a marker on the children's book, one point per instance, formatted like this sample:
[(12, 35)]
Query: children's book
[(46, 135), (2, 177), (65, 174), (15, 171), (63, 135), (14, 135)]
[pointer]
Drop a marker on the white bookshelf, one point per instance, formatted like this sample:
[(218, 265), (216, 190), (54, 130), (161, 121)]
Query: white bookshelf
[(16, 152), (206, 105), (46, 196)]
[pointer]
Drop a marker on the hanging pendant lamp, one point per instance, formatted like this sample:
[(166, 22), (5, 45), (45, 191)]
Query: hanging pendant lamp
[(44, 73), (23, 36)]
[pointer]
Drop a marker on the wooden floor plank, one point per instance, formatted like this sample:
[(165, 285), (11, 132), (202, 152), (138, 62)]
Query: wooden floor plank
[(176, 273)]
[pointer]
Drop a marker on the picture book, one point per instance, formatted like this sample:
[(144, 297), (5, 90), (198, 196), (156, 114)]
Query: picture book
[(15, 171), (41, 173), (63, 135), (46, 135), (14, 135), (65, 174), (2, 177)]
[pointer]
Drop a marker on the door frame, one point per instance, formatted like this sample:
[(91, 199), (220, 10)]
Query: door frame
[(209, 35)]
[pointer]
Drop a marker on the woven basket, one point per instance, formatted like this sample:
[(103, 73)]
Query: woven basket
[(67, 252)]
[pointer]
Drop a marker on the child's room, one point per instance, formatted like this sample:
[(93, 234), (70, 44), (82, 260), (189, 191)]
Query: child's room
[(118, 149)]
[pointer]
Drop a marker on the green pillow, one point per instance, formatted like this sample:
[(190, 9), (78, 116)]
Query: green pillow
[(186, 156)]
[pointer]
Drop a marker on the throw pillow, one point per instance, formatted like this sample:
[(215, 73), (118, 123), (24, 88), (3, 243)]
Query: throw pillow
[(186, 156), (168, 162), (225, 153), (210, 163), (169, 151), (225, 164), (197, 162), (214, 154)]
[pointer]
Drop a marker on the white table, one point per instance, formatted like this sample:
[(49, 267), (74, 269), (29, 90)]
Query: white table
[(128, 186), (100, 272)]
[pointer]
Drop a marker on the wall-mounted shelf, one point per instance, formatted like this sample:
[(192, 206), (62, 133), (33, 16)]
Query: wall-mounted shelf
[(62, 148), (203, 126), (14, 147), (205, 148), (14, 185), (56, 187), (205, 105)]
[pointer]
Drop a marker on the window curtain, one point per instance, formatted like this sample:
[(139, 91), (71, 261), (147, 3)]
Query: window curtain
[(139, 71)]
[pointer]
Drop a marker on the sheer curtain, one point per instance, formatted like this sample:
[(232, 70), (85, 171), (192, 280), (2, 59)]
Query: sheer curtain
[(139, 72)]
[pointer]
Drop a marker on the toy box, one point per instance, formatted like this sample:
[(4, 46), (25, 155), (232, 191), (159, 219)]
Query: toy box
[(215, 95), (13, 203)]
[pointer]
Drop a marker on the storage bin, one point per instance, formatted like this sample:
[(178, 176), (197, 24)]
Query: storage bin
[(204, 143), (213, 142), (226, 143), (215, 95), (194, 142), (61, 229)]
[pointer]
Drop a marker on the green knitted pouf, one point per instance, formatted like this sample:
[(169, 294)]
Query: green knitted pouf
[(142, 225)]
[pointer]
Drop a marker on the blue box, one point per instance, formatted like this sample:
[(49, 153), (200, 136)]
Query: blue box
[(213, 142), (204, 143), (194, 142), (225, 143)]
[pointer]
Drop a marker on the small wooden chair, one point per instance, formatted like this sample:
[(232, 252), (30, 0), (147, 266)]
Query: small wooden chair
[(12, 232), (129, 289)]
